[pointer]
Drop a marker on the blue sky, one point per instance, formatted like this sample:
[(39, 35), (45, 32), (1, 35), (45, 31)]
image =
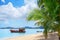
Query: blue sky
[(14, 12), (14, 2)]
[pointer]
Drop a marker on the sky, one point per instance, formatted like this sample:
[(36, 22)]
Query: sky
[(13, 13)]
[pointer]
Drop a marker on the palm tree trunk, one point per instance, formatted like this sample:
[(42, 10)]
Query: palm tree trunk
[(59, 37)]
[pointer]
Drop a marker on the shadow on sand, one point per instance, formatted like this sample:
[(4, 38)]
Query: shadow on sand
[(51, 36)]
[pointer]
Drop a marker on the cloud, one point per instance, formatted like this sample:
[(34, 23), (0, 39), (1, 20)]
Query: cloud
[(3, 1), (30, 1), (10, 12)]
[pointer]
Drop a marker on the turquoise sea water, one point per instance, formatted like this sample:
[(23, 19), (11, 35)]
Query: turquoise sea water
[(6, 32)]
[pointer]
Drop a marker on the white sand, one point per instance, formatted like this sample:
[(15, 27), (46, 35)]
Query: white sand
[(38, 36)]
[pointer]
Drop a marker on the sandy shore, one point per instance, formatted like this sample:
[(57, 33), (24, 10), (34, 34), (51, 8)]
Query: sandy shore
[(26, 37), (38, 36)]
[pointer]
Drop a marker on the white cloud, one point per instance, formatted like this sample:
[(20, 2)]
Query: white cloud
[(10, 11), (16, 13), (30, 1), (3, 1)]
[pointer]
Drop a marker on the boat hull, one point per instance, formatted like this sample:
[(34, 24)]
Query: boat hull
[(16, 31)]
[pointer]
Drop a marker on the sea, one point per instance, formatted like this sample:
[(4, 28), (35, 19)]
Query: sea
[(4, 33)]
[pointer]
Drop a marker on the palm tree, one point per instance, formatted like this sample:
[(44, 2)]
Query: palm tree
[(46, 15), (53, 7), (42, 18)]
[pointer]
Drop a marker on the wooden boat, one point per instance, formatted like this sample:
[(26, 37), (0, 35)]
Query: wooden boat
[(21, 30)]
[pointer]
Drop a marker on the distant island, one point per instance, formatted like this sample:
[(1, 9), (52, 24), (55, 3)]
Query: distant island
[(22, 27), (8, 28), (34, 27)]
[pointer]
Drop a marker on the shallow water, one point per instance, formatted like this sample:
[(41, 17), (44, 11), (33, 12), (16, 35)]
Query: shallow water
[(6, 32)]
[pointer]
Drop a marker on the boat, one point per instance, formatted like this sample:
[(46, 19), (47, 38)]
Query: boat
[(21, 30)]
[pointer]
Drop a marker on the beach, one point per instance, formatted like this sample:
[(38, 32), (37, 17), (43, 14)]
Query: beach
[(26, 37), (38, 36)]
